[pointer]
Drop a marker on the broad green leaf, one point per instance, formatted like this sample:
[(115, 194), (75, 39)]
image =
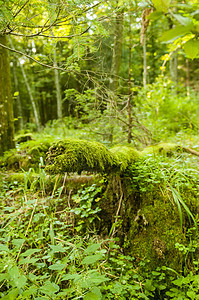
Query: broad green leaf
[(18, 242), (20, 282), (57, 267), (191, 48), (156, 15), (49, 288), (191, 294), (4, 277), (28, 260), (91, 259), (94, 294), (29, 291), (92, 248), (161, 5), (175, 33), (11, 295), (30, 252), (185, 21), (70, 277), (14, 272), (4, 248), (57, 248)]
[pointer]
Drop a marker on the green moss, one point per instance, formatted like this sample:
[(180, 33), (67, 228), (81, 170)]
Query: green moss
[(154, 231), (27, 156), (73, 155), (23, 138), (162, 148), (125, 156)]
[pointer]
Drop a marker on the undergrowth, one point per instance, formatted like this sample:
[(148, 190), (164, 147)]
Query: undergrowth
[(51, 248)]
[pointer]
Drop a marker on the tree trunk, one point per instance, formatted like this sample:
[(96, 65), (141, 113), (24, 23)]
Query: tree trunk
[(117, 50), (19, 116), (6, 105), (144, 62), (58, 87), (20, 122), (174, 68), (129, 108), (187, 78), (32, 100)]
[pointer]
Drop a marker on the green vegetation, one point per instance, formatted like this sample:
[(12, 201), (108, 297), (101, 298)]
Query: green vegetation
[(99, 150)]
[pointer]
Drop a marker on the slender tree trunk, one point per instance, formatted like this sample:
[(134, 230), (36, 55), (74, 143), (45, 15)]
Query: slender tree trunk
[(18, 98), (6, 105), (187, 78), (58, 87), (32, 100), (145, 24), (174, 68), (117, 50), (144, 62), (130, 92), (16, 84)]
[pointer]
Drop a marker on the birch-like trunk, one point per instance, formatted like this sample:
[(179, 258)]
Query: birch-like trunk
[(58, 87), (32, 100)]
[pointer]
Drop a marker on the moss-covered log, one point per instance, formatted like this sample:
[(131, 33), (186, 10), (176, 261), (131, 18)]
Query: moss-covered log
[(73, 155)]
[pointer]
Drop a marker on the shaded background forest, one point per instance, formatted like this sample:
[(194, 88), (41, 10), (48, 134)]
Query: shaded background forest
[(120, 72)]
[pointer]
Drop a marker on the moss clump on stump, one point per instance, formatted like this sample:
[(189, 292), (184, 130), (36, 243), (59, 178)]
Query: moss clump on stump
[(73, 155), (28, 156), (125, 156)]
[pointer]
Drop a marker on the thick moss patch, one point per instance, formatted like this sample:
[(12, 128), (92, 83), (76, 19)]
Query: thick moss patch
[(73, 155), (27, 156)]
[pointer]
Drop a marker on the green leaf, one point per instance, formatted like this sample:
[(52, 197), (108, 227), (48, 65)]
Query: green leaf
[(20, 282), (91, 259), (11, 295), (175, 33), (16, 94), (185, 21), (49, 288), (29, 292), (156, 15), (28, 260), (4, 248), (161, 5), (191, 48), (30, 252), (18, 242), (4, 277), (94, 294), (58, 248), (70, 277), (191, 294), (92, 248), (57, 267)]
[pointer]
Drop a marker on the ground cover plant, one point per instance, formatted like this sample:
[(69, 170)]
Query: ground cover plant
[(60, 243)]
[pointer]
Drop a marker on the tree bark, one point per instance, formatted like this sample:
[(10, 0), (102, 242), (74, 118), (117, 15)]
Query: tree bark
[(32, 100), (20, 122), (144, 62), (58, 86), (174, 68), (6, 105), (129, 108), (19, 116), (117, 50)]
